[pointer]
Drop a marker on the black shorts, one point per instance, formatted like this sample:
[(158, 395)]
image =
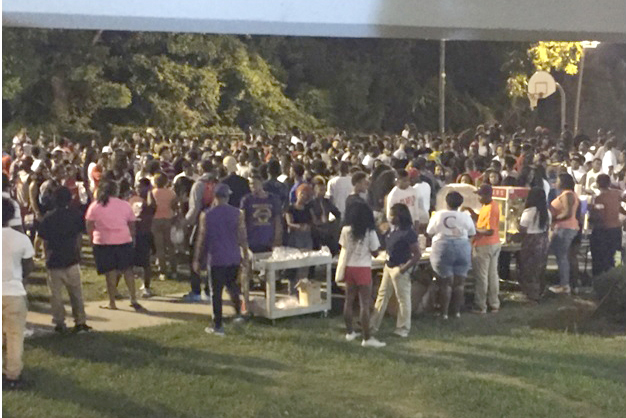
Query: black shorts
[(113, 257), (143, 250)]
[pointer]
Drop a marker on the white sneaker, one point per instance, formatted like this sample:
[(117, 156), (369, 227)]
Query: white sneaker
[(215, 331), (401, 333), (373, 342), (558, 289), (146, 293), (352, 336), (162, 277), (457, 315), (444, 317), (238, 320)]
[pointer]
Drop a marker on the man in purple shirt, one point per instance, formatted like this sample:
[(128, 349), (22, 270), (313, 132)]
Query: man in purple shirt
[(263, 217), (222, 236)]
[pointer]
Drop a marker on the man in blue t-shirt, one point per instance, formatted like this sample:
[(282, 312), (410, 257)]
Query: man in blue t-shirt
[(262, 213)]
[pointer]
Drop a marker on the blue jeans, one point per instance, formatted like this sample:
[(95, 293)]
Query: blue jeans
[(451, 257), (561, 241)]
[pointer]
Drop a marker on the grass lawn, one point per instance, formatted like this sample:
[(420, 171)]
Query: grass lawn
[(518, 363), (94, 286), (543, 361)]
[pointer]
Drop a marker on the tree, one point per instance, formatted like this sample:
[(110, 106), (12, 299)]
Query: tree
[(542, 56)]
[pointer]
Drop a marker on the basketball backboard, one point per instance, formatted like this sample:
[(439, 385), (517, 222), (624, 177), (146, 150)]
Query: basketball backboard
[(540, 86)]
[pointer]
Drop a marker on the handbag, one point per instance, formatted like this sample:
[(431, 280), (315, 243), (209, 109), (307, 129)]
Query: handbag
[(341, 263)]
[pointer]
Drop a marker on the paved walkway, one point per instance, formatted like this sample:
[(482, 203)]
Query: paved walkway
[(160, 310)]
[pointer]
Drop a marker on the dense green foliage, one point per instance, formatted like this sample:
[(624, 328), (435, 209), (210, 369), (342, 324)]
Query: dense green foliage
[(84, 83), (77, 82)]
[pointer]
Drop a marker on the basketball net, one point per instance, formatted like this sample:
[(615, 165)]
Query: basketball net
[(534, 99)]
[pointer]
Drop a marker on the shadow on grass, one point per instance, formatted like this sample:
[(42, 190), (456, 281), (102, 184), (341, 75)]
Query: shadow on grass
[(58, 387), (594, 366), (134, 352)]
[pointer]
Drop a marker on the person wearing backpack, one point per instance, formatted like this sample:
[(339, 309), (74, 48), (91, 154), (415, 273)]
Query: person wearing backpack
[(200, 199)]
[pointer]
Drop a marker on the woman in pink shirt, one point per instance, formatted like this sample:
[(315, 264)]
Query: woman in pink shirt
[(165, 199), (111, 226)]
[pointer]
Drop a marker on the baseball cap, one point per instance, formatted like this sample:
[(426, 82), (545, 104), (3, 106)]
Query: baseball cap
[(107, 150), (485, 189), (222, 190)]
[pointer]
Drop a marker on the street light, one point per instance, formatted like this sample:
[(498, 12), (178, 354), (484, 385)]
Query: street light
[(585, 45)]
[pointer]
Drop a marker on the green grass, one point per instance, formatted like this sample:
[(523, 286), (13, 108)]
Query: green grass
[(523, 362), (549, 360), (94, 286)]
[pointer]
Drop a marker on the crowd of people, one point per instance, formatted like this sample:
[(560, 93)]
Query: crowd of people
[(164, 203)]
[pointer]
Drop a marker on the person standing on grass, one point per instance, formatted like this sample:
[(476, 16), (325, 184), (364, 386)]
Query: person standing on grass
[(200, 198), (165, 200), (111, 227), (17, 263), (297, 174), (534, 226), (273, 185), (16, 222), (403, 253), (360, 183), (359, 242), (235, 182), (339, 187), (566, 226), (405, 194), (451, 256), (606, 235), (62, 232), (299, 222), (325, 229), (487, 248), (262, 212), (143, 207), (221, 237)]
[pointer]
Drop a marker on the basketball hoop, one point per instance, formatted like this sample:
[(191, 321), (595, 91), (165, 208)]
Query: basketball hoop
[(540, 86)]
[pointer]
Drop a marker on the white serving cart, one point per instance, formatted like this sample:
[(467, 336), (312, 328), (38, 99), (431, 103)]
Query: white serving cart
[(269, 306)]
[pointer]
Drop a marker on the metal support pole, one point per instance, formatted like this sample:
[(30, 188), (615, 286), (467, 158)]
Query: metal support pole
[(442, 88), (563, 104), (578, 90)]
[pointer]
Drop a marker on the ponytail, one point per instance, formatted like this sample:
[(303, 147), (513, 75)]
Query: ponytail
[(107, 190)]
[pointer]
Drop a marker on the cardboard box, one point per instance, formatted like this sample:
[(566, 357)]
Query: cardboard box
[(310, 292)]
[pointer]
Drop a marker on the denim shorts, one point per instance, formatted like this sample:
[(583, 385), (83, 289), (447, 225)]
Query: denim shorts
[(451, 257)]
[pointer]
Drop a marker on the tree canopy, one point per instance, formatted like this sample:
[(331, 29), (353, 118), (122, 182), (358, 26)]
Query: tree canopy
[(90, 83)]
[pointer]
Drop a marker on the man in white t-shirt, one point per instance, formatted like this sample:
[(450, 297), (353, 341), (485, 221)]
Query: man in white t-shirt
[(372, 154), (405, 131), (576, 169), (422, 188), (609, 159), (400, 153), (583, 149), (340, 187), (589, 180), (407, 195), (17, 262)]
